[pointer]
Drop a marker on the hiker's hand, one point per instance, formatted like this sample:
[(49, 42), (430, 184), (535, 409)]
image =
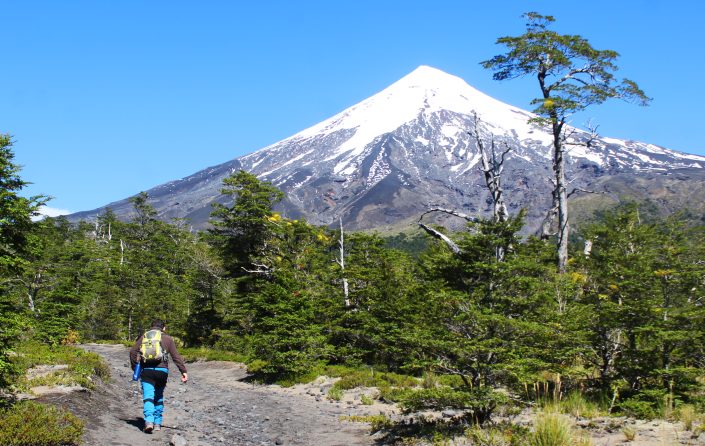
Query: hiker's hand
[(184, 378)]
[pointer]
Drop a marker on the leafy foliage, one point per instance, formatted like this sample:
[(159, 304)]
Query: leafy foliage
[(32, 423), (16, 244), (485, 332), (573, 75)]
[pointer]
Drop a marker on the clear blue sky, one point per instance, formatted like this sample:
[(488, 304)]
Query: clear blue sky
[(109, 98)]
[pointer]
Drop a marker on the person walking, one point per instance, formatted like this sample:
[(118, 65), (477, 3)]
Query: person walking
[(153, 350)]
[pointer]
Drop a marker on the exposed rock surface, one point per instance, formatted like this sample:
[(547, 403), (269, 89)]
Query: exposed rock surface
[(218, 407), (215, 408), (384, 161)]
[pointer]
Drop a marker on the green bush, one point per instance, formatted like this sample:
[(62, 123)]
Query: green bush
[(82, 365), (191, 354), (351, 379), (478, 404), (28, 423), (335, 394), (636, 408), (366, 400)]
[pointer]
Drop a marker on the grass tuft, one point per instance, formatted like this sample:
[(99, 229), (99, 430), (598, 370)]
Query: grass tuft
[(335, 394), (629, 433), (551, 429)]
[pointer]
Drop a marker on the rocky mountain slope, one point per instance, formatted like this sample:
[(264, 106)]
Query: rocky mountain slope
[(384, 161)]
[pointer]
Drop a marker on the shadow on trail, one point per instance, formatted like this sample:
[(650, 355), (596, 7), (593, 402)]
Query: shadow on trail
[(136, 422)]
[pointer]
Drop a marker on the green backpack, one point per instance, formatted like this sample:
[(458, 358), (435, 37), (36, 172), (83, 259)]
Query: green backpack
[(151, 348)]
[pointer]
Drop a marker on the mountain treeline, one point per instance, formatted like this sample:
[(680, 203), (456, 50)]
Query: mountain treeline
[(625, 324)]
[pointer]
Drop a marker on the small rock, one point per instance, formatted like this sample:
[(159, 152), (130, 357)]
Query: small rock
[(178, 440), (449, 413)]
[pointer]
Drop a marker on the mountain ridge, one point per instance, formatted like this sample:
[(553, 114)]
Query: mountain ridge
[(388, 158)]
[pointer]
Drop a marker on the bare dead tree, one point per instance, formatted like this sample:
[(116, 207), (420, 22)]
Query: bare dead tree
[(33, 290), (492, 167), (260, 269), (341, 261)]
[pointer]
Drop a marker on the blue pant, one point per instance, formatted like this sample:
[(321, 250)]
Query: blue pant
[(153, 383)]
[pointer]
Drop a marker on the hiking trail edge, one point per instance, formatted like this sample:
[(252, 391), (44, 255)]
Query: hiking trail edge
[(216, 407)]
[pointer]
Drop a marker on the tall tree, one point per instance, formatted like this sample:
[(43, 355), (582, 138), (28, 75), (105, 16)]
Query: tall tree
[(15, 231), (642, 285), (239, 230), (572, 75)]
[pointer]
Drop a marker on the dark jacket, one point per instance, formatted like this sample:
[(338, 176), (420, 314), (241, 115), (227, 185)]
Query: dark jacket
[(168, 345)]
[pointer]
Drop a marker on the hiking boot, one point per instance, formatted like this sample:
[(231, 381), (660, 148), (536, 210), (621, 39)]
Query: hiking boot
[(157, 427), (148, 428)]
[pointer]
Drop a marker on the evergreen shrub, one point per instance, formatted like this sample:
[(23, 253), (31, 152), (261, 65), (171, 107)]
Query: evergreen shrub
[(30, 423), (478, 403)]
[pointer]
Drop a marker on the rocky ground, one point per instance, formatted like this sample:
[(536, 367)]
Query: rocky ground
[(218, 406)]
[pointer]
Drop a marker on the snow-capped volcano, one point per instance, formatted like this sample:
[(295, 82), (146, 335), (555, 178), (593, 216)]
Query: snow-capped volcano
[(424, 91), (388, 158)]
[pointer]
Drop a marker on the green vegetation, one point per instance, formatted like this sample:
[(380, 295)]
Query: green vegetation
[(618, 333), (29, 423), (192, 354), (551, 430), (618, 330), (629, 433), (81, 366), (377, 422), (574, 404), (572, 75), (335, 394)]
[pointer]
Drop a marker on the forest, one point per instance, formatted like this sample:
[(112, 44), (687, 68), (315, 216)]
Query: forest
[(623, 325)]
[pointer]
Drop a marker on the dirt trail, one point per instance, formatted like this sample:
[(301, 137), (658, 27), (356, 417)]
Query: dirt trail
[(216, 407)]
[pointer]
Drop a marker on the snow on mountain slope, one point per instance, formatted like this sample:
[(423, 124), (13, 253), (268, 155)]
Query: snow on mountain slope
[(391, 156)]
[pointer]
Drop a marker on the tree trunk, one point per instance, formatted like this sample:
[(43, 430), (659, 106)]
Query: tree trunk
[(129, 325), (563, 226), (341, 262), (33, 291)]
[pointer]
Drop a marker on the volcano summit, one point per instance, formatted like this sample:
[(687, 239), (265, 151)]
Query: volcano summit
[(386, 160)]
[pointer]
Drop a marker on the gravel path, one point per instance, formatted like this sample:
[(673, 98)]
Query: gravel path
[(215, 407)]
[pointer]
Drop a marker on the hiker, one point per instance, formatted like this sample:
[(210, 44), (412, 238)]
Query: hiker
[(153, 350)]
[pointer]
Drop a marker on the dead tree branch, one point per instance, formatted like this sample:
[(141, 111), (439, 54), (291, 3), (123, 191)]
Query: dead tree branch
[(450, 212), (439, 235), (492, 167)]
